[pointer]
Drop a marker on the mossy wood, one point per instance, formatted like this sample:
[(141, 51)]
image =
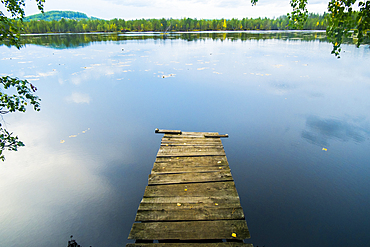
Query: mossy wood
[(191, 199), (221, 244), (190, 230)]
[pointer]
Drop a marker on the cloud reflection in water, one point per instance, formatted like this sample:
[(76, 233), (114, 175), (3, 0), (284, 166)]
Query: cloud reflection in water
[(320, 130)]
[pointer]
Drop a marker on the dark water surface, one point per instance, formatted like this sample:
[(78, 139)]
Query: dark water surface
[(297, 117)]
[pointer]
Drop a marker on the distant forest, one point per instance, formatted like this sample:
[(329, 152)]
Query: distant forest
[(76, 25), (58, 15)]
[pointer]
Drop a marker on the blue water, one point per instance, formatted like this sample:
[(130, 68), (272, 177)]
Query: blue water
[(297, 117)]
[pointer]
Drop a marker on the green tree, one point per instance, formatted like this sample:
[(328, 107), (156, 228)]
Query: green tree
[(342, 21), (10, 35)]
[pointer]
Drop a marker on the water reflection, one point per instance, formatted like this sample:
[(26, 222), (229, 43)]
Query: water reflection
[(67, 41), (320, 130)]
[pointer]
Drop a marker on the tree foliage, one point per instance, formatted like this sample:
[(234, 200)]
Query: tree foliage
[(313, 22), (58, 15), (24, 91), (343, 21)]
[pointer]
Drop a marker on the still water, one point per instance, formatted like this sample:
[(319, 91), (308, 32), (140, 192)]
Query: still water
[(298, 121)]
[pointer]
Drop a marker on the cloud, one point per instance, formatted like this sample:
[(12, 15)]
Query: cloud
[(94, 71), (206, 9), (134, 3), (79, 98), (51, 73), (42, 186), (320, 130)]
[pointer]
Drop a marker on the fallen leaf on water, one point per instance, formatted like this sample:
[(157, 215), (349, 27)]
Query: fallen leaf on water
[(170, 75), (62, 141)]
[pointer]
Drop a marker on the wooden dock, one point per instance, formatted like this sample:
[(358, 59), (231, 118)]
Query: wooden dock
[(191, 199)]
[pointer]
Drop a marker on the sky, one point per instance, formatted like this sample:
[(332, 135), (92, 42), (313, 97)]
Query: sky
[(200, 9)]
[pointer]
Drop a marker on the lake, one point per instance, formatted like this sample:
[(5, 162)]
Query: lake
[(298, 121)]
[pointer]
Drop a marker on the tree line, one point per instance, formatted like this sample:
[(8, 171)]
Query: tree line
[(313, 22)]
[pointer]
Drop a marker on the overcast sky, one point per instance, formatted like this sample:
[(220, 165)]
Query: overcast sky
[(201, 9)]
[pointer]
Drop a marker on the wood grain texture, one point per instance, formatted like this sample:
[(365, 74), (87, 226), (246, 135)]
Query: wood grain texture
[(193, 140), (221, 244), (193, 145), (189, 151), (216, 136), (190, 230), (160, 131), (191, 177), (196, 161), (167, 169), (192, 201), (182, 214), (225, 189), (190, 148)]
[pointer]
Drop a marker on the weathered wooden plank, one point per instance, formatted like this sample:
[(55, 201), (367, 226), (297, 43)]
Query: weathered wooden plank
[(192, 177), (216, 136), (189, 201), (171, 207), (192, 154), (201, 160), (192, 161), (191, 139), (190, 151), (176, 138), (220, 244), (192, 142), (189, 135), (160, 168), (197, 134), (193, 145), (215, 189), (190, 230), (189, 148), (168, 131), (181, 214)]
